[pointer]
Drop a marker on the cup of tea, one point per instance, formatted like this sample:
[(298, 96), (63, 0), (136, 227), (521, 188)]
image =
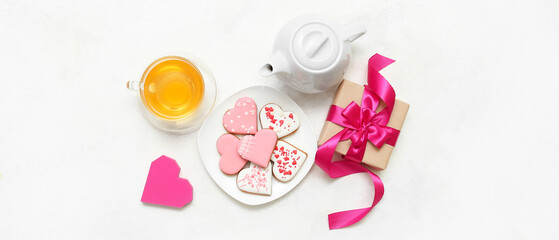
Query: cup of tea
[(176, 93)]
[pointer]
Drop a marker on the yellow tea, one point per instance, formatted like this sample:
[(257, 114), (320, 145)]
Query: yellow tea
[(173, 88)]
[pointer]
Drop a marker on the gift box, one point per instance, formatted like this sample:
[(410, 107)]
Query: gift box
[(376, 158)]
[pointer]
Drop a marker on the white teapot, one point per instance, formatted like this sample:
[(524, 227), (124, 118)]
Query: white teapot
[(311, 53)]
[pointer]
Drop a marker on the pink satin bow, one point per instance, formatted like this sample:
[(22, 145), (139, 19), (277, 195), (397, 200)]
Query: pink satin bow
[(361, 124)]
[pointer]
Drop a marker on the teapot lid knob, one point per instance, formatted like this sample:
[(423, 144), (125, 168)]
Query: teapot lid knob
[(315, 46)]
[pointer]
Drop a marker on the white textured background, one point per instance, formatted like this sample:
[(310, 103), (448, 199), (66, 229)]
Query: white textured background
[(477, 158)]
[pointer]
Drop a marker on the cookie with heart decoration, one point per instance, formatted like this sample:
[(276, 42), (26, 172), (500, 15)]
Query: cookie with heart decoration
[(287, 159), (255, 179), (283, 123), (241, 119), (230, 161), (258, 148)]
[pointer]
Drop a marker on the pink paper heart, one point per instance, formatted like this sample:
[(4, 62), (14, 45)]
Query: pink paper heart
[(242, 118), (230, 161), (164, 186), (258, 148)]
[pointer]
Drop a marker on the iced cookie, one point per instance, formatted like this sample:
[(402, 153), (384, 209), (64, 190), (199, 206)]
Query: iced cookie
[(242, 118), (230, 162), (283, 123), (287, 160), (255, 179), (258, 148)]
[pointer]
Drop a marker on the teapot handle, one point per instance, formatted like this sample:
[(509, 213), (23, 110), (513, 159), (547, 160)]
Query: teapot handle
[(133, 85), (353, 31)]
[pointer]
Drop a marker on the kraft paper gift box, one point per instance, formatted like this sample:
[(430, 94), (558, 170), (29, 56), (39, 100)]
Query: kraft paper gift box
[(374, 157)]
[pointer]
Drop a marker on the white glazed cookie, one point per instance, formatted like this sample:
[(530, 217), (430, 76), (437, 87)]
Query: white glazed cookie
[(287, 161), (283, 123), (255, 179)]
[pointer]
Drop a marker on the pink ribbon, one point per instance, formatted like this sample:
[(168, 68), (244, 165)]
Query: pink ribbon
[(361, 124)]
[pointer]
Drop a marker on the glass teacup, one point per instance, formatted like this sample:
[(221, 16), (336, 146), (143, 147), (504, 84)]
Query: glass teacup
[(177, 93)]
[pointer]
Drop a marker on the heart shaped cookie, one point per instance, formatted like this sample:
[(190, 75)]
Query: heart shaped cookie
[(164, 186), (255, 179), (258, 148), (230, 162), (242, 118), (287, 159), (283, 123)]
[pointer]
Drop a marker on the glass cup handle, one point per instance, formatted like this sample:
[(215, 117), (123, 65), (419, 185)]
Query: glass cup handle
[(133, 85)]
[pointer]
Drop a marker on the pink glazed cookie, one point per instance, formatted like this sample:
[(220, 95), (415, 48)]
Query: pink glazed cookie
[(230, 162), (258, 148), (283, 123), (241, 119)]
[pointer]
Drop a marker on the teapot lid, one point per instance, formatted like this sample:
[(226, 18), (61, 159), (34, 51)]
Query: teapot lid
[(315, 46)]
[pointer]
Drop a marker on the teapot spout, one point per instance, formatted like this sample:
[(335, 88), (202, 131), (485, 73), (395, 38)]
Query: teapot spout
[(266, 70), (277, 63)]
